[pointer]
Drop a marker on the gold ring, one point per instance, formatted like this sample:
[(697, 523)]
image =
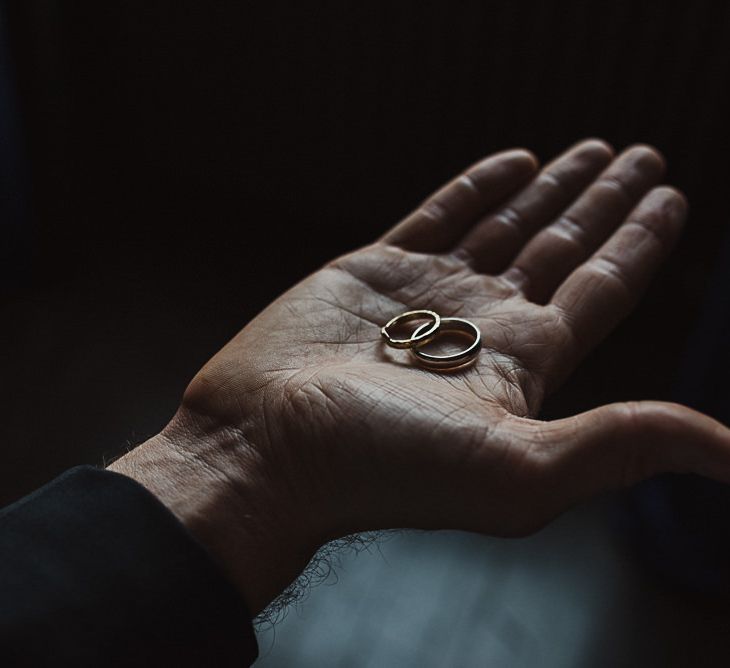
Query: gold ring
[(421, 336), (453, 360)]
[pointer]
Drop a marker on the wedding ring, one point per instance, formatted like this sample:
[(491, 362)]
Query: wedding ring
[(421, 336), (452, 360)]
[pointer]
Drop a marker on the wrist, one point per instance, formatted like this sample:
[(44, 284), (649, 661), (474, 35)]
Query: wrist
[(212, 479)]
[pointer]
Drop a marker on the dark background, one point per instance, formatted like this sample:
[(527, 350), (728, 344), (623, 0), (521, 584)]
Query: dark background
[(188, 161)]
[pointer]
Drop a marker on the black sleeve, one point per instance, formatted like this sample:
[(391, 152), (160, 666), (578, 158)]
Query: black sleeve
[(95, 571)]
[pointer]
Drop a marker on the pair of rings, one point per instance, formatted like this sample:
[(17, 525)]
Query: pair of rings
[(428, 331)]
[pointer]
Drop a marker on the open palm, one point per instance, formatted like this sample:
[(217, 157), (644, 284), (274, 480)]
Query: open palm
[(356, 435)]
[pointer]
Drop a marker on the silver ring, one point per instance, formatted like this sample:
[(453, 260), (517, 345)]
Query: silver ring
[(423, 334), (452, 360)]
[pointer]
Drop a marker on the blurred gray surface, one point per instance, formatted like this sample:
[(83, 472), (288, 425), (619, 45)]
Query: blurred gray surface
[(569, 596)]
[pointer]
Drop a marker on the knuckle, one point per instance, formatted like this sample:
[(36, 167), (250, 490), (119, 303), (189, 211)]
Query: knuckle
[(434, 209), (550, 180), (631, 411), (469, 182), (511, 219), (569, 229), (615, 185), (640, 449), (610, 269), (652, 225)]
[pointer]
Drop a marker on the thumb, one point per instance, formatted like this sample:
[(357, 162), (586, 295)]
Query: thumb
[(620, 444)]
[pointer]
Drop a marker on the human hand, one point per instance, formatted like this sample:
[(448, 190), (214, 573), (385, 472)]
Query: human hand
[(316, 430)]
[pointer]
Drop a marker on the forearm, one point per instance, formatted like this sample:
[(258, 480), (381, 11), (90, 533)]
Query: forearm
[(232, 510)]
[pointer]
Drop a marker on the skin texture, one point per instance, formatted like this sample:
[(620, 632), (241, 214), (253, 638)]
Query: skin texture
[(305, 427)]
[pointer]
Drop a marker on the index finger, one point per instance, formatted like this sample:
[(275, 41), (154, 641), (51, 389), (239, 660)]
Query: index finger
[(438, 224)]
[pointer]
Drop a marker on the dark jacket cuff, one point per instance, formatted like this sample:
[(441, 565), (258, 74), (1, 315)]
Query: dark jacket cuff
[(94, 571)]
